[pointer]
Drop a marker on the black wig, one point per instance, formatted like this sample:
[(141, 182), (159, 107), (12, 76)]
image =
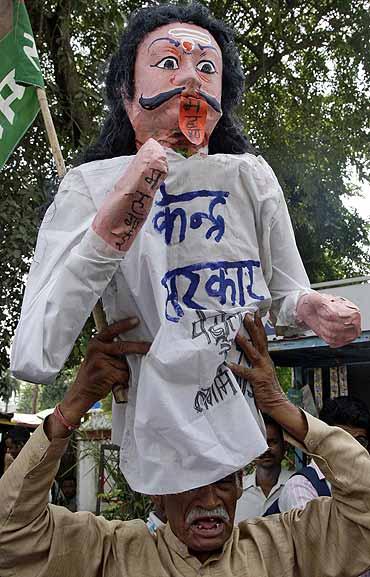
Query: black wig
[(117, 136)]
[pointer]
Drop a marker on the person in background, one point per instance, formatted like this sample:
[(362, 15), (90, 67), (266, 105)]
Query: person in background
[(12, 445), (157, 518), (265, 484), (8, 459), (18, 438), (66, 496), (349, 414)]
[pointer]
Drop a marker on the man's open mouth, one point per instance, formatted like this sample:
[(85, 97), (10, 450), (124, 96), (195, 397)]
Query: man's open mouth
[(208, 526)]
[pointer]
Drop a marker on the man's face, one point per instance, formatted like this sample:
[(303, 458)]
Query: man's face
[(69, 488), (275, 453), (178, 85), (16, 448), (203, 518)]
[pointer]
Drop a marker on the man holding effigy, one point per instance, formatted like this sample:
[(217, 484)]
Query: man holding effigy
[(331, 536)]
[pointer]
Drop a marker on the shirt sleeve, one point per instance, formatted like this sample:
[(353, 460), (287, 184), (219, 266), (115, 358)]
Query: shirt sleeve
[(289, 280), (26, 523), (71, 268), (282, 265), (331, 535), (296, 493), (42, 540)]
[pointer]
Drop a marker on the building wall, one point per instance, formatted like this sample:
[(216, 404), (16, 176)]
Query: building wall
[(87, 475)]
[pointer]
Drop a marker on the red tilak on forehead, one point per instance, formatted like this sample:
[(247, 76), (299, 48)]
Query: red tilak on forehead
[(187, 45)]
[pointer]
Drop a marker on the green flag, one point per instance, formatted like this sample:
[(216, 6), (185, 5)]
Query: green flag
[(20, 73)]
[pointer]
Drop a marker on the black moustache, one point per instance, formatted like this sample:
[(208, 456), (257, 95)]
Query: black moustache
[(211, 101), (153, 102)]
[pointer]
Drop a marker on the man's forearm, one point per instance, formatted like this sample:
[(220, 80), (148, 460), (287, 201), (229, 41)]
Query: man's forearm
[(268, 394), (72, 409), (291, 419), (103, 367)]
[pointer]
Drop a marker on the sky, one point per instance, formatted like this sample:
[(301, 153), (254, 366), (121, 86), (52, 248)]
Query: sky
[(361, 204)]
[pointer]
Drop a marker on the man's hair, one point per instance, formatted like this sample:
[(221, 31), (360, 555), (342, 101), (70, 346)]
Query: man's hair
[(270, 421), (117, 136), (19, 435), (68, 478), (345, 411)]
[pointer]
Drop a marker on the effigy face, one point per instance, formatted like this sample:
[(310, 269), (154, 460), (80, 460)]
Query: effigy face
[(178, 85)]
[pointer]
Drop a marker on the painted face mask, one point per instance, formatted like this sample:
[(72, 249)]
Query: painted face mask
[(178, 83)]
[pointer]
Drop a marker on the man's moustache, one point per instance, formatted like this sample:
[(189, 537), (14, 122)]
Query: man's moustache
[(267, 454), (211, 101), (153, 102), (200, 513)]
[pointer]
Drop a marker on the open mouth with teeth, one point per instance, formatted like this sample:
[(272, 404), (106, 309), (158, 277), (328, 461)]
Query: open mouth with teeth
[(208, 526)]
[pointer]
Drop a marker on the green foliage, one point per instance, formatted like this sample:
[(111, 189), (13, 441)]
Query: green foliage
[(24, 404), (8, 386), (121, 502), (51, 395), (285, 377), (125, 504), (47, 396), (106, 404), (305, 108)]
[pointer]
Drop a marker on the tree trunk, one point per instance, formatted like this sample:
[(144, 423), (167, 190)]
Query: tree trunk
[(35, 397)]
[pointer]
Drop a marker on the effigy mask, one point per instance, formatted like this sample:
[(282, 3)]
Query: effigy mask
[(178, 86)]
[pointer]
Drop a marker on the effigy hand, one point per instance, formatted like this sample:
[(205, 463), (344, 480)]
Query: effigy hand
[(127, 205), (334, 319)]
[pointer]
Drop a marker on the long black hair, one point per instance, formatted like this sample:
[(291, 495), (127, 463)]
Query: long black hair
[(117, 136)]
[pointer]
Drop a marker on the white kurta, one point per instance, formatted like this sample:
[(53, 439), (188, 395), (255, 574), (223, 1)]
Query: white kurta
[(217, 243)]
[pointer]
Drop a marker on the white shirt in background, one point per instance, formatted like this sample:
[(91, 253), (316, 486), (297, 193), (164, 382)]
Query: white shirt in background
[(298, 491), (153, 523), (253, 502)]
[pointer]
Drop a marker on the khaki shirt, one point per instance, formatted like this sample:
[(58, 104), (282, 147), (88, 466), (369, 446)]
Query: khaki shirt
[(331, 536)]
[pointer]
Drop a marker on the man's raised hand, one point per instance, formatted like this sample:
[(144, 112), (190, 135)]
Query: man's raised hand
[(269, 396), (103, 366), (261, 375)]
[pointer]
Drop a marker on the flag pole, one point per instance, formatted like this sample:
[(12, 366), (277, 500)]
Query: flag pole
[(119, 392), (51, 132)]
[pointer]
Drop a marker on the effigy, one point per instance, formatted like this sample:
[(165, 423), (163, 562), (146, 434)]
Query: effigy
[(176, 220)]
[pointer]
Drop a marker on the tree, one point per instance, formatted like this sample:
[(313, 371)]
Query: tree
[(305, 108), (35, 398), (8, 386), (24, 404), (51, 395)]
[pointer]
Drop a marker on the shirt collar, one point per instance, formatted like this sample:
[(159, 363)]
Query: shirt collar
[(317, 469), (250, 480)]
